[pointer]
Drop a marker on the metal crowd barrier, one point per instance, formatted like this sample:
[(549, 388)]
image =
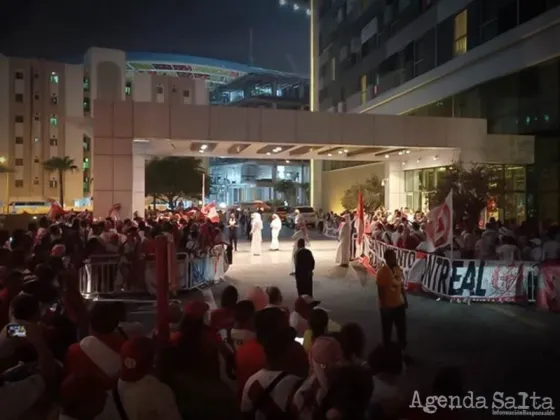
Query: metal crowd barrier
[(112, 277)]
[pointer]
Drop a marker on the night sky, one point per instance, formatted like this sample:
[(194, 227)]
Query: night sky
[(63, 29)]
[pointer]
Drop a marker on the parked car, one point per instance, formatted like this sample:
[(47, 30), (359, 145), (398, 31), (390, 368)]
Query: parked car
[(283, 213), (308, 216)]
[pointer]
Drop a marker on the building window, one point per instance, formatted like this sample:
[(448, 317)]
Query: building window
[(36, 160), (19, 97), (54, 100), (128, 89), (87, 107), (53, 183), (19, 140), (35, 140), (19, 162), (35, 181), (36, 117), (86, 163), (186, 94), (363, 89), (18, 183), (54, 141), (87, 144), (18, 118), (159, 90), (36, 75), (54, 121), (19, 75), (36, 97), (460, 46), (333, 69), (86, 84), (54, 78)]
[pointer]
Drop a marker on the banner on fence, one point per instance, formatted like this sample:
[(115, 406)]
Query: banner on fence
[(548, 290), (494, 281), (411, 262)]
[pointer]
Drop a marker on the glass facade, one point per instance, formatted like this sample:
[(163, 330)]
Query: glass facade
[(512, 205), (527, 103), (354, 35)]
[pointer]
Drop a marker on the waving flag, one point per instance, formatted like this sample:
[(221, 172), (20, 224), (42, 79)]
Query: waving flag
[(114, 212), (55, 211), (439, 229), (209, 210), (360, 218)]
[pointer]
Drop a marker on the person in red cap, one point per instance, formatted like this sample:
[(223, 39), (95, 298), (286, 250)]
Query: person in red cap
[(141, 395), (99, 353)]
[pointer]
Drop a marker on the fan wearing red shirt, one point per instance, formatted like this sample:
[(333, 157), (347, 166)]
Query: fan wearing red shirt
[(99, 353), (223, 318), (11, 286)]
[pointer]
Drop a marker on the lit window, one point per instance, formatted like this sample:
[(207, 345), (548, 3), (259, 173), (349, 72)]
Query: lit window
[(87, 106), (53, 141), (128, 89), (363, 88), (54, 121), (54, 78), (54, 100), (35, 139), (460, 46), (86, 84), (86, 163), (53, 183), (333, 69)]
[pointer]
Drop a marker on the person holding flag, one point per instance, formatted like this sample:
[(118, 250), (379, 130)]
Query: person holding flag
[(359, 225)]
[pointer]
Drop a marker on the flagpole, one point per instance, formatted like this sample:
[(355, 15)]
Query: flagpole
[(203, 187)]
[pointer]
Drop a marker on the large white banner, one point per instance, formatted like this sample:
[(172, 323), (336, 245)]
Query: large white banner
[(477, 280)]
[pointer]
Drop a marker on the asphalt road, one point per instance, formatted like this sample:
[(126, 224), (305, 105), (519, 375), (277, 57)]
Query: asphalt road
[(499, 347)]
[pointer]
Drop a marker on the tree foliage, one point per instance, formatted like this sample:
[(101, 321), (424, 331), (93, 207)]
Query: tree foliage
[(173, 177), (473, 186), (5, 169), (372, 191), (286, 187), (60, 165)]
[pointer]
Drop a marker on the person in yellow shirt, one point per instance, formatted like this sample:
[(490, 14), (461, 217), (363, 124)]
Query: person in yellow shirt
[(392, 299)]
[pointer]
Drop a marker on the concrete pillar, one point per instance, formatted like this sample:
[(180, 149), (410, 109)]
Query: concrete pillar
[(395, 196), (316, 183), (139, 184), (112, 172)]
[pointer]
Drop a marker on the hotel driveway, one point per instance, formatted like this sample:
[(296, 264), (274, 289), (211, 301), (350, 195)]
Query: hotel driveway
[(499, 347)]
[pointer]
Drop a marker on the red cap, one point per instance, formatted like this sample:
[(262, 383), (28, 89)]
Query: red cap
[(196, 308), (137, 358)]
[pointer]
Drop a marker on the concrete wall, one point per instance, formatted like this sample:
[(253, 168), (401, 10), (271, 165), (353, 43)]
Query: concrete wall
[(336, 182)]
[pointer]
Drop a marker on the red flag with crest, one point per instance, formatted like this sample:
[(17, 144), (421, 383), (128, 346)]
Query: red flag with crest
[(439, 229), (210, 211), (114, 212), (55, 211), (360, 220)]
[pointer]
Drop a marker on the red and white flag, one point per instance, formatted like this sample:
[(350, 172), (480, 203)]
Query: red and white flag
[(115, 212), (439, 227), (360, 224), (210, 211), (55, 211)]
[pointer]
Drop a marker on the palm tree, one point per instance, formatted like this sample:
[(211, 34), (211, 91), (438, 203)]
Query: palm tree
[(61, 165)]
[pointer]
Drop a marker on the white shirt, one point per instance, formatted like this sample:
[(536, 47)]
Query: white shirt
[(148, 399)]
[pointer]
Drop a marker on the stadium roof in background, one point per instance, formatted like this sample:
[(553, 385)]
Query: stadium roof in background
[(283, 80), (165, 61)]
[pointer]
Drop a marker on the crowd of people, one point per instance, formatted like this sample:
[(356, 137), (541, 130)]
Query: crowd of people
[(251, 358), (497, 240)]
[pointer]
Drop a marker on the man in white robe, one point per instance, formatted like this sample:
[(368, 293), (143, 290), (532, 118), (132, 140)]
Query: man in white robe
[(275, 227), (256, 234), (344, 238)]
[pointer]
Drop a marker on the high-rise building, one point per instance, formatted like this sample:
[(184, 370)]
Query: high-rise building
[(491, 59)]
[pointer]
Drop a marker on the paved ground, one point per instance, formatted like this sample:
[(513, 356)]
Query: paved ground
[(499, 347)]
